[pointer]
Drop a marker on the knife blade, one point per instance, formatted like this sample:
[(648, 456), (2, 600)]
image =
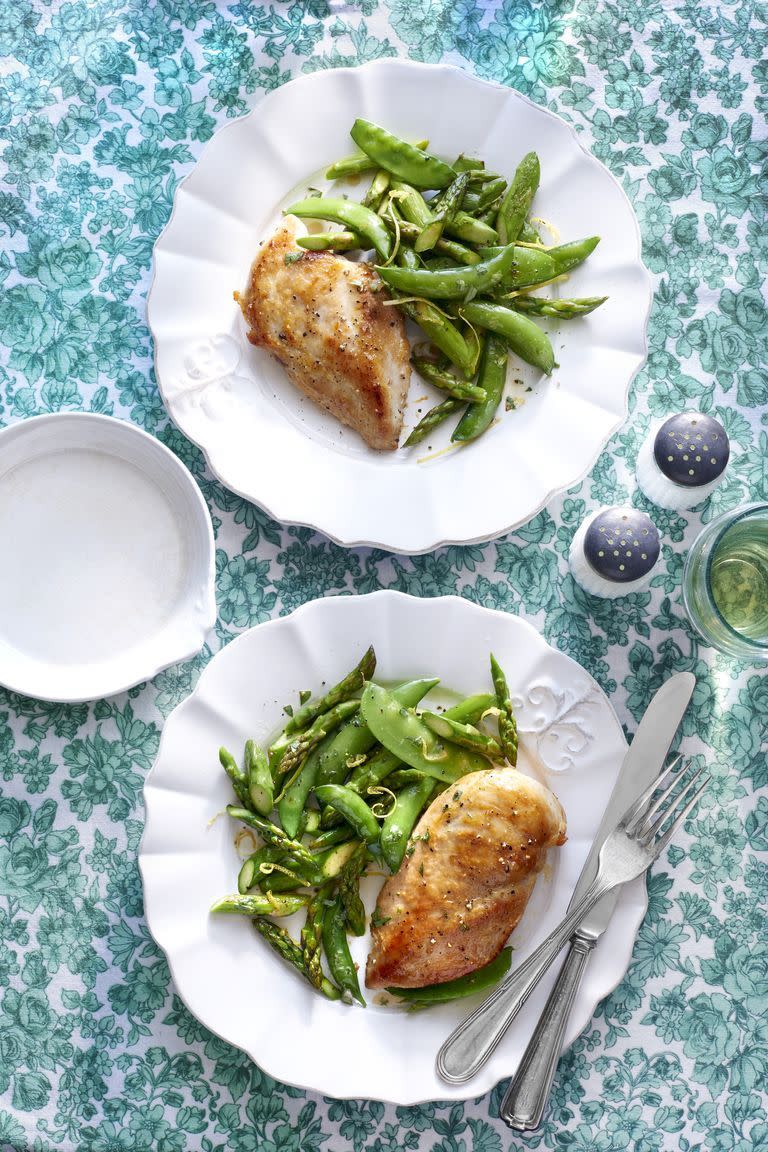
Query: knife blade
[(643, 761), (526, 1098)]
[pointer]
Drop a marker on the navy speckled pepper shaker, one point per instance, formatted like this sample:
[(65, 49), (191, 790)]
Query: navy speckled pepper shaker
[(683, 460), (614, 552)]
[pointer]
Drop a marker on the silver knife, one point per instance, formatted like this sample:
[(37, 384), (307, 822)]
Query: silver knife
[(469, 1046), (523, 1106)]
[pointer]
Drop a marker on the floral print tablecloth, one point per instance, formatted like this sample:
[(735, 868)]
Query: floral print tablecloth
[(104, 106)]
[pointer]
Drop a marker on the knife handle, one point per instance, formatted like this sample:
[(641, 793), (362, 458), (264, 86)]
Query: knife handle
[(523, 1106)]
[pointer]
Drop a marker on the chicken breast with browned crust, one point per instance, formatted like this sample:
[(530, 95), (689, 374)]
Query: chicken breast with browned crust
[(322, 318), (466, 878)]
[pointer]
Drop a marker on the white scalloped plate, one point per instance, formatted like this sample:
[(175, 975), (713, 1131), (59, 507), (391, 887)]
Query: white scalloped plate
[(227, 976), (265, 441), (107, 574)]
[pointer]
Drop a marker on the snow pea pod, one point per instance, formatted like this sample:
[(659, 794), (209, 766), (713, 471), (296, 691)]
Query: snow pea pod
[(517, 201), (442, 333), (352, 807), (471, 708), (355, 738), (490, 192), (450, 283), (524, 337), (530, 267), (400, 158), (465, 735), (492, 377), (331, 242), (478, 981), (355, 217), (401, 821), (567, 256), (405, 734), (337, 952), (472, 231)]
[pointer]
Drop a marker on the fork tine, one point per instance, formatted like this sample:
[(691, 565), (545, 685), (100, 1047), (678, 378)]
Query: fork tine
[(658, 846), (649, 811), (650, 828), (637, 811)]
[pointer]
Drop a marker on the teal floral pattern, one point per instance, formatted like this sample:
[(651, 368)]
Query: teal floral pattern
[(104, 107)]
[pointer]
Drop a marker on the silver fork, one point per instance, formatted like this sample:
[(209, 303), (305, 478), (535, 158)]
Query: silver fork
[(642, 833)]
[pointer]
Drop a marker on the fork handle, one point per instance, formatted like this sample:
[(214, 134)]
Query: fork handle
[(523, 1106), (471, 1044)]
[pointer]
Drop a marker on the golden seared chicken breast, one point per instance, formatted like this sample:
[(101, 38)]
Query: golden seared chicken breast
[(465, 881), (321, 317)]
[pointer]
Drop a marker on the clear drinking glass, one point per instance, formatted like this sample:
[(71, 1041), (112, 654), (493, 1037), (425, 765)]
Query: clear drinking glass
[(725, 583)]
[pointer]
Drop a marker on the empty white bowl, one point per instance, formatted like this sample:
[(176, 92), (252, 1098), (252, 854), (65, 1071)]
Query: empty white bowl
[(107, 558)]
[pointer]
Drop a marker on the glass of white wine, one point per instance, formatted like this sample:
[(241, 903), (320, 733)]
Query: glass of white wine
[(725, 583)]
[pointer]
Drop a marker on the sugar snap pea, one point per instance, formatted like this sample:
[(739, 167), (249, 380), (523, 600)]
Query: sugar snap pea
[(356, 217), (488, 194), (528, 234), (568, 256), (471, 708), (352, 807), (400, 158), (353, 165), (345, 688), (507, 722), (478, 981), (405, 734), (446, 381), (260, 785), (441, 331), (465, 735), (471, 230), (519, 196), (492, 377), (524, 337), (355, 738), (400, 822), (432, 420), (451, 283), (331, 242), (530, 266), (464, 163), (337, 952), (250, 874)]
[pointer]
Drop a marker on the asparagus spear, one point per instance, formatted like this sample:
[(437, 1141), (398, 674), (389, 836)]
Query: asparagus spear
[(290, 951), (507, 722)]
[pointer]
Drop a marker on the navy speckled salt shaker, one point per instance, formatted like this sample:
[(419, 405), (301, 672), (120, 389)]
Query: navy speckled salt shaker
[(683, 460), (614, 552)]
